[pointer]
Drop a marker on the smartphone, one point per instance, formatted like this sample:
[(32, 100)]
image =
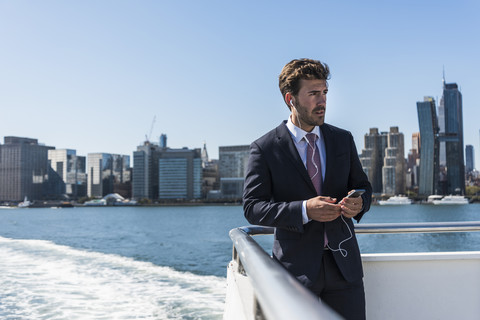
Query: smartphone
[(355, 193)]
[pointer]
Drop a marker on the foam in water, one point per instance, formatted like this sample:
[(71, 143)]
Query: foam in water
[(42, 280)]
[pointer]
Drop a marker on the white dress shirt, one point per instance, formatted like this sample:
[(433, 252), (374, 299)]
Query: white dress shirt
[(298, 136)]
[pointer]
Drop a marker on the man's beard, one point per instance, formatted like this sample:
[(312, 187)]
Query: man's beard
[(307, 119)]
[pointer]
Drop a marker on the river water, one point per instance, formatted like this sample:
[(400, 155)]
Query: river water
[(156, 262)]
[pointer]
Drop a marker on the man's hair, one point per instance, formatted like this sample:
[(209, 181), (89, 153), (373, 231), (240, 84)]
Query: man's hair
[(298, 69)]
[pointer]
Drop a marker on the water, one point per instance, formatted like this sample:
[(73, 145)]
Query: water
[(155, 262), (428, 242)]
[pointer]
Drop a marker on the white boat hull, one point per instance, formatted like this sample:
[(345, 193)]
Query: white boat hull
[(430, 285), (451, 200), (395, 201)]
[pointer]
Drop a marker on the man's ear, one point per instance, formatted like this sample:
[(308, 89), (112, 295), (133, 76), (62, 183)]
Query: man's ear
[(289, 100)]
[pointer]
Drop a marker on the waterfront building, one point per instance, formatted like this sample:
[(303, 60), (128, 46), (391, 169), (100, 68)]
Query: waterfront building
[(211, 179), (23, 169), (67, 174), (429, 147), (393, 171), (108, 173), (383, 161), (233, 161), (166, 174), (372, 157), (469, 159), (453, 137), (180, 174), (414, 154), (441, 126), (413, 162), (145, 171)]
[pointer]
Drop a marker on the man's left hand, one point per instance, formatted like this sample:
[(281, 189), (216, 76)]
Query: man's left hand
[(351, 206)]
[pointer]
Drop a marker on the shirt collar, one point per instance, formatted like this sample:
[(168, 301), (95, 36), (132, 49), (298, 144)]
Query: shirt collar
[(298, 134)]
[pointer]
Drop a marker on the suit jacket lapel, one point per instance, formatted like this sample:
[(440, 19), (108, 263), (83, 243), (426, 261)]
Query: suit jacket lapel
[(284, 140)]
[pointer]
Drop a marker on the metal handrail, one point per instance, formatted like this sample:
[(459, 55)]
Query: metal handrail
[(274, 286), (418, 227), (407, 227)]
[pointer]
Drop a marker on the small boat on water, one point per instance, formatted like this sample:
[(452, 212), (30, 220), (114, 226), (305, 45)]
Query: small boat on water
[(449, 200), (395, 200), (96, 203), (25, 203), (433, 197)]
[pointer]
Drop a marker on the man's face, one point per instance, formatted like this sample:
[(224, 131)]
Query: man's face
[(310, 104)]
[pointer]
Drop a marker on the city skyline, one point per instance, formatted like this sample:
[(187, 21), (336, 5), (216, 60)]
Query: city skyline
[(92, 76)]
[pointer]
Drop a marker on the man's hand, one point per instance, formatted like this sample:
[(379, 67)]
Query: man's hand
[(323, 209), (351, 206)]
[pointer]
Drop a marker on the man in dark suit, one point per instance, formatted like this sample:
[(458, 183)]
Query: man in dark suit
[(297, 182)]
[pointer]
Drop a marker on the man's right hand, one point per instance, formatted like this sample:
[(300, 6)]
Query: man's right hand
[(323, 209)]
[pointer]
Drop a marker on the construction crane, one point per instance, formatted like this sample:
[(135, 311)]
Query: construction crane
[(147, 137)]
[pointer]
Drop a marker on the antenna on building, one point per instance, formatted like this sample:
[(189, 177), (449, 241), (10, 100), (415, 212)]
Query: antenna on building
[(443, 78)]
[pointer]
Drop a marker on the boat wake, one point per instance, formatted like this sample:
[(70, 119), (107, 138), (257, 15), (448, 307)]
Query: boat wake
[(43, 280)]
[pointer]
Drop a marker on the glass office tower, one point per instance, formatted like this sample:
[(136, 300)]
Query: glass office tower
[(145, 171), (429, 147), (453, 137), (108, 173), (441, 126), (469, 159), (69, 173), (232, 164), (180, 174)]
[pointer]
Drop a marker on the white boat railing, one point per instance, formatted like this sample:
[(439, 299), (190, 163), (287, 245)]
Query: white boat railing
[(418, 227), (273, 286)]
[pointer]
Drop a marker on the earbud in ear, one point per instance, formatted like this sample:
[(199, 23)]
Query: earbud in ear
[(291, 103)]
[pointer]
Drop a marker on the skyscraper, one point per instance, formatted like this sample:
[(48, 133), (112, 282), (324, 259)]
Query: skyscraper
[(23, 169), (469, 159), (441, 127), (413, 162), (453, 137), (372, 157), (429, 147), (393, 171)]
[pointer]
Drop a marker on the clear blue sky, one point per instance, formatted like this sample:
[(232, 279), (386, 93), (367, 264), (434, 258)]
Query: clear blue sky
[(91, 75)]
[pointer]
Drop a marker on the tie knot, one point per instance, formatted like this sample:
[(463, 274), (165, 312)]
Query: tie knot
[(311, 138)]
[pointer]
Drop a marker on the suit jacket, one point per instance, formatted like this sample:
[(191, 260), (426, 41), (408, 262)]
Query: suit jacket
[(277, 183)]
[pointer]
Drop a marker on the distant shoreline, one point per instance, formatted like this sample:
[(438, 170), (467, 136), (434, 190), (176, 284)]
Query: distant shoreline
[(67, 204), (56, 204)]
